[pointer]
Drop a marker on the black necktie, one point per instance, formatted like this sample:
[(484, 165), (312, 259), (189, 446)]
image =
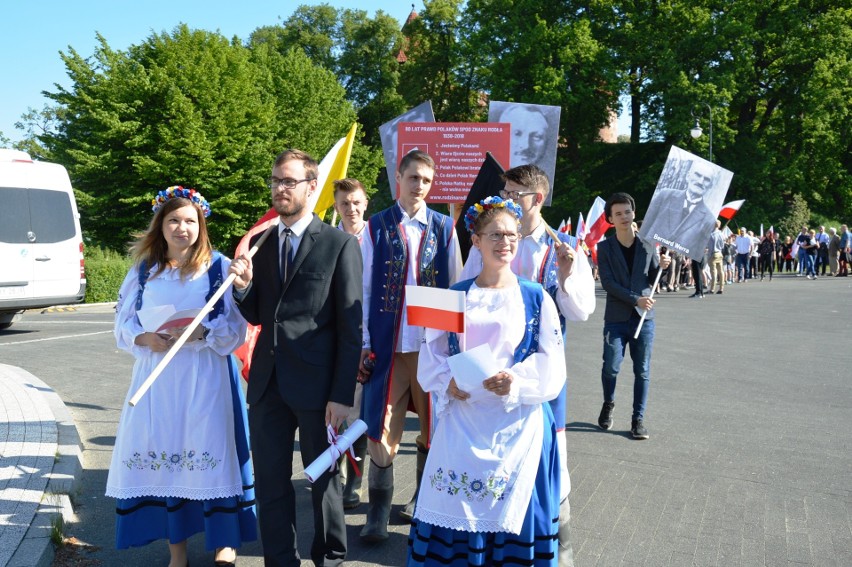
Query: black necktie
[(286, 254)]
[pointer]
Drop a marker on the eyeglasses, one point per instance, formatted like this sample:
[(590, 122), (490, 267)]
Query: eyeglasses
[(515, 194), (499, 236), (286, 183)]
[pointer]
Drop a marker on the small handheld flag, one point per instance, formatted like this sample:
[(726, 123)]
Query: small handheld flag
[(435, 308)]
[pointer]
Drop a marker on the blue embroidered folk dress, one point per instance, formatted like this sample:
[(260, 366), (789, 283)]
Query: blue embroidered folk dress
[(181, 461), (490, 488)]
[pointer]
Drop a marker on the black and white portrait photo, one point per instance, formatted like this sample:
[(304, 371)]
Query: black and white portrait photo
[(534, 133), (389, 135), (685, 204)]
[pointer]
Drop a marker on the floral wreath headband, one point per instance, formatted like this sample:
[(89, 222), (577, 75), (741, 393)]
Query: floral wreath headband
[(477, 209), (176, 191)]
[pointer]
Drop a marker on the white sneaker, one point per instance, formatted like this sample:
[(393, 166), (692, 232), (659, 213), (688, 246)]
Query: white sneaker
[(810, 277)]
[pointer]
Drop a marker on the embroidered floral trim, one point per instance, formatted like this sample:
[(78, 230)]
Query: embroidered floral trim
[(474, 489), (174, 462)]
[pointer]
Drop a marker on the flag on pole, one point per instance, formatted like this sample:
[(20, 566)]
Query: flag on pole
[(771, 230), (730, 209), (435, 308), (333, 166), (597, 223), (581, 227), (243, 352), (566, 226), (761, 230)]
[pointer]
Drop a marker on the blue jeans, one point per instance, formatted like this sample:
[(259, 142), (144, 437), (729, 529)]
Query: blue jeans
[(806, 263), (742, 267), (617, 337)]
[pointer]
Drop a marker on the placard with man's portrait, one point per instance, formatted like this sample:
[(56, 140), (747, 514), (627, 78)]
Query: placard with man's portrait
[(534, 134), (685, 204)]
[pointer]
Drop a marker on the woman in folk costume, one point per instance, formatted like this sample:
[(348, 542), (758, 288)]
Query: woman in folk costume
[(490, 490), (181, 459)]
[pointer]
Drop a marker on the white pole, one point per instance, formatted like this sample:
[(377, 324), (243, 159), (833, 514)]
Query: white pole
[(146, 385), (653, 289)]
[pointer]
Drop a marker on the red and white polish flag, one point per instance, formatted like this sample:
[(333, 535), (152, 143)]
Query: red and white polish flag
[(596, 223), (581, 228), (730, 209), (435, 308), (244, 351)]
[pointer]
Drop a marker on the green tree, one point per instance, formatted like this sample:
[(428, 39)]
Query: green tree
[(189, 108), (798, 215), (368, 69), (440, 65), (776, 76), (313, 29), (359, 50), (544, 52), (182, 108)]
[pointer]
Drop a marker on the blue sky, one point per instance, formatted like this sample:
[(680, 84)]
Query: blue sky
[(33, 34)]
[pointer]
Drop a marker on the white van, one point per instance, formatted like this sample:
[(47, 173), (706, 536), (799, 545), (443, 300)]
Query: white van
[(41, 246)]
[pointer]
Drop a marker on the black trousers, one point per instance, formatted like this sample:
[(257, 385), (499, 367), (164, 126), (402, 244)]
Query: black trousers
[(698, 276), (766, 264), (272, 425)]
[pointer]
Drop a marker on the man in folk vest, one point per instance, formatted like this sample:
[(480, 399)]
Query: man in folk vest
[(406, 244)]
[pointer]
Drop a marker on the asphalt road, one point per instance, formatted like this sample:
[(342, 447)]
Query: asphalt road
[(748, 463)]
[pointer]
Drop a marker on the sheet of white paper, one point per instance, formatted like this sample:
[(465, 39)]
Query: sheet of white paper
[(152, 317), (471, 367)]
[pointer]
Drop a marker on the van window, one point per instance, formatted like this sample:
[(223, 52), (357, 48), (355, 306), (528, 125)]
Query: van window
[(51, 217), (14, 216)]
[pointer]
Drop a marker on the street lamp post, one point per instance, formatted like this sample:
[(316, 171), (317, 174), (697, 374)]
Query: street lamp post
[(696, 130)]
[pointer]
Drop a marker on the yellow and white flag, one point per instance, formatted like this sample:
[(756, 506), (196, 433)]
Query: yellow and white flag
[(332, 167)]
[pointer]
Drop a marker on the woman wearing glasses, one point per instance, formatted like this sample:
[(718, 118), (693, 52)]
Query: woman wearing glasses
[(490, 491)]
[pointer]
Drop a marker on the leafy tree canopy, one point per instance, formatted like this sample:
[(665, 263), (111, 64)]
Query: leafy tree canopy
[(188, 108), (775, 80)]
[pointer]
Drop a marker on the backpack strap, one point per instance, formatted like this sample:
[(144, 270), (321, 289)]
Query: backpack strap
[(214, 275), (144, 273)]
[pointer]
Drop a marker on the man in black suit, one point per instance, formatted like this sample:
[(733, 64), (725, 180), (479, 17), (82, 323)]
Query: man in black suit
[(304, 288)]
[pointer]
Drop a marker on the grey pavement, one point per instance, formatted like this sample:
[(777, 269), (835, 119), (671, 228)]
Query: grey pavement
[(39, 465), (749, 460)]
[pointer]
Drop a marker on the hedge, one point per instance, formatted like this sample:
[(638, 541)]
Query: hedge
[(105, 270)]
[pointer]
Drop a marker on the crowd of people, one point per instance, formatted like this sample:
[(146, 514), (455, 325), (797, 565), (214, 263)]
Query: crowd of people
[(744, 257), (335, 345)]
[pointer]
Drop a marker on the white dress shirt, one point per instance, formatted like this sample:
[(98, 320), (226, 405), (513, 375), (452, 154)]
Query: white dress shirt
[(409, 337), (575, 298)]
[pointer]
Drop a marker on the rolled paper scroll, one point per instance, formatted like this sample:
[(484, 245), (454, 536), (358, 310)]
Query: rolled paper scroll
[(339, 444)]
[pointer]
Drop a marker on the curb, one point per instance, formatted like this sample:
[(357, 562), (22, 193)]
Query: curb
[(74, 307), (36, 548)]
